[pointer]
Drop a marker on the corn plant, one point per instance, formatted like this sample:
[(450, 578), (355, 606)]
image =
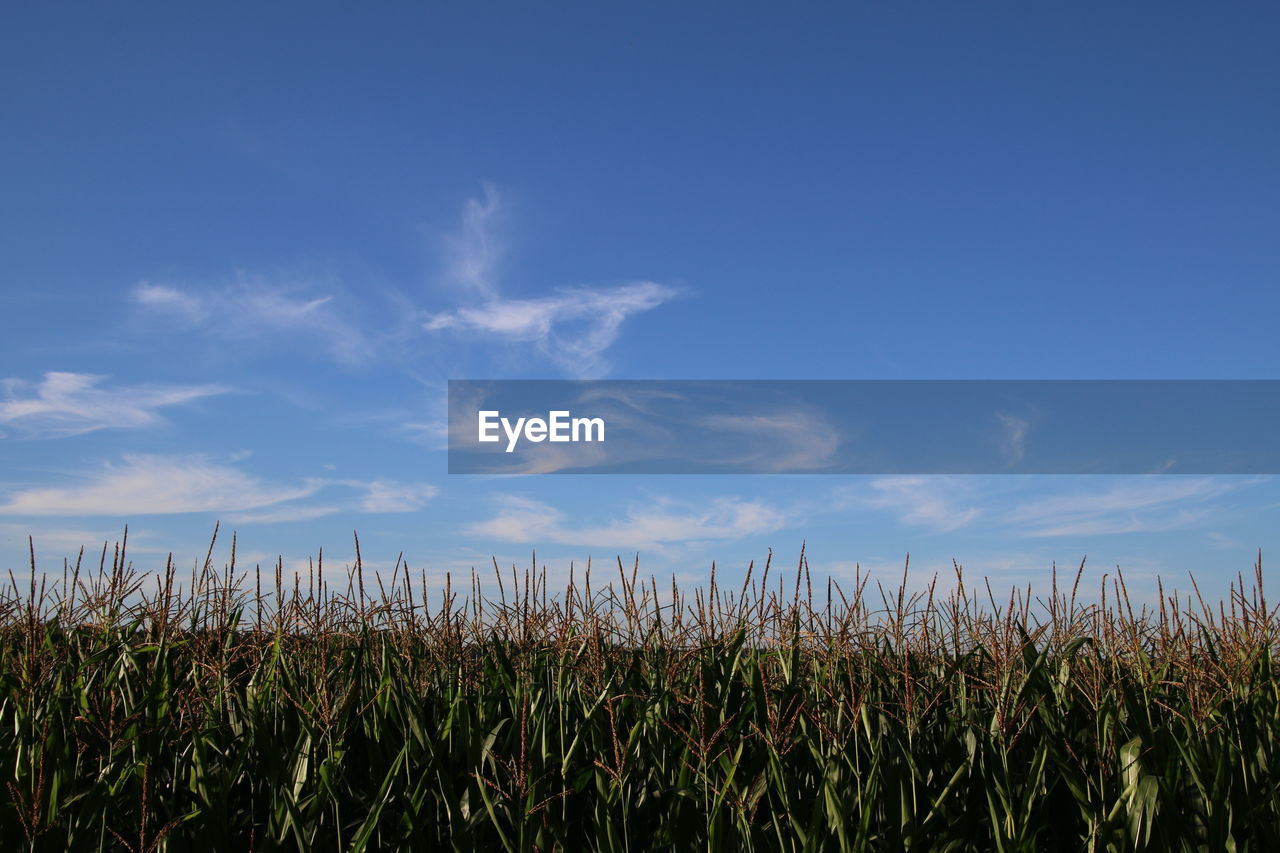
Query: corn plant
[(268, 710)]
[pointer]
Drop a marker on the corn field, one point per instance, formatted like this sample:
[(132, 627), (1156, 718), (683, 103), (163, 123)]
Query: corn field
[(224, 709)]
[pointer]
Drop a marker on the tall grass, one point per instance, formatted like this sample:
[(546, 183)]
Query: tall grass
[(263, 710)]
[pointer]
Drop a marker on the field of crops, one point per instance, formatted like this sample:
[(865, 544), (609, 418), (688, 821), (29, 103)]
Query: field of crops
[(229, 710)]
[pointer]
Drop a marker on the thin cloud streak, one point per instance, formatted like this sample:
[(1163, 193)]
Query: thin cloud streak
[(257, 308), (283, 515), (150, 484), (571, 327), (923, 501), (390, 496), (1146, 504), (1015, 431), (472, 253), (1152, 504), (68, 404), (654, 526), (785, 441), (154, 484)]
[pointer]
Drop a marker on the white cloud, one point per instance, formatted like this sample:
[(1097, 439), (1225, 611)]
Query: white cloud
[(1015, 431), (58, 542), (388, 496), (163, 297), (1222, 540), (432, 433), (1135, 504), (145, 484), (786, 441), (1130, 523), (1150, 504), (922, 501), (572, 326), (1124, 497), (258, 308), (522, 520), (66, 404), (282, 515), (378, 496), (663, 523), (473, 253)]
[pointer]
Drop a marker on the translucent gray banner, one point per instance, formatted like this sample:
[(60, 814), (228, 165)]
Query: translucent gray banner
[(864, 427)]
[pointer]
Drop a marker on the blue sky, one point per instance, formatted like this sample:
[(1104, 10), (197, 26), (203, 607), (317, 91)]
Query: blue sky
[(243, 248)]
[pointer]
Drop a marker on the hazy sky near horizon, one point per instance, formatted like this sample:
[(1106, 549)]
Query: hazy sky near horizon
[(242, 248)]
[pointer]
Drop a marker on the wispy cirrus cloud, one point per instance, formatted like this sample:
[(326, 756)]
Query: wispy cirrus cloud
[(652, 526), (66, 404), (390, 496), (781, 441), (571, 327), (472, 254), (379, 496), (54, 540), (938, 503), (1061, 507), (1147, 504), (155, 484), (283, 515), (261, 308), (1014, 432)]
